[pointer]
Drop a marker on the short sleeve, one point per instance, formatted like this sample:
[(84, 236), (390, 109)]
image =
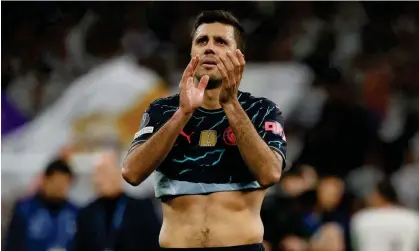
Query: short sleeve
[(271, 129), (151, 121)]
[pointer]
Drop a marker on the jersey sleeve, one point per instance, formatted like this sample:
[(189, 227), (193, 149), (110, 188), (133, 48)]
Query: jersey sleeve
[(150, 123), (271, 130)]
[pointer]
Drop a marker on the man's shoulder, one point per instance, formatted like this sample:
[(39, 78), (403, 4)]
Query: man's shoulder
[(368, 216), (170, 101), (24, 204), (247, 99), (362, 214)]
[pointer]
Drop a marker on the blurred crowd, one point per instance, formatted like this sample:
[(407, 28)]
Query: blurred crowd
[(353, 135)]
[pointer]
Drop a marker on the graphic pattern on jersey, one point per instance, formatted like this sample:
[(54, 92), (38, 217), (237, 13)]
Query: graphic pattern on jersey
[(195, 167)]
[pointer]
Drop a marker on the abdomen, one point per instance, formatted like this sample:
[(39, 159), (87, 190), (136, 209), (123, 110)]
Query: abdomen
[(215, 220)]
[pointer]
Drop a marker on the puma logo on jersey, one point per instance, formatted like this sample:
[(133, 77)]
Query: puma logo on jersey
[(188, 137)]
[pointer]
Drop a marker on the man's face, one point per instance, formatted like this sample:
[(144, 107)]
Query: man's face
[(57, 185), (330, 192), (106, 177), (214, 39)]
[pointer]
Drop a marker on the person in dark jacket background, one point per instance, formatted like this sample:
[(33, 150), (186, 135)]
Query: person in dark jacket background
[(46, 220), (115, 221)]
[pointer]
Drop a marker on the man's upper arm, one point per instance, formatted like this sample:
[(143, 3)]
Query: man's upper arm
[(150, 123), (271, 130)]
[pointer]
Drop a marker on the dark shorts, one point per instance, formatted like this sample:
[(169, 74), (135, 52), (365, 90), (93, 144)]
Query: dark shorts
[(251, 247)]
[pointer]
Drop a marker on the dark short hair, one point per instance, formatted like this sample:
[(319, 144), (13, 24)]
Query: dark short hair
[(387, 191), (224, 17), (58, 166)]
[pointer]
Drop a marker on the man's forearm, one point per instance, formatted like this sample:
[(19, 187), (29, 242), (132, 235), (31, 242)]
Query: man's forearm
[(259, 157), (144, 159)]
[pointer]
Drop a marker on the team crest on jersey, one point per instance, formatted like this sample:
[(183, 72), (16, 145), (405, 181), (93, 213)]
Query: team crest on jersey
[(208, 138), (229, 138)]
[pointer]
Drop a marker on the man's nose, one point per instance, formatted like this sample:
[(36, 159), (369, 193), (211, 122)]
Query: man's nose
[(210, 48), (209, 51)]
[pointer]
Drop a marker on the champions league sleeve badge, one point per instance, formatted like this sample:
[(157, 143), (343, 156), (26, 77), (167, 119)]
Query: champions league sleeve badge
[(145, 120)]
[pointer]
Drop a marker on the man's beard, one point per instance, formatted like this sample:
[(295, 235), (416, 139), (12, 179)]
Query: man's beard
[(213, 82)]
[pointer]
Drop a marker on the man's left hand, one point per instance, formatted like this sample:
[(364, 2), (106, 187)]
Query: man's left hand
[(231, 67)]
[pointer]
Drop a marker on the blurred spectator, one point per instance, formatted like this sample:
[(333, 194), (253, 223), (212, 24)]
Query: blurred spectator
[(331, 216), (361, 181), (344, 127), (306, 217), (282, 211), (406, 180), (45, 221), (385, 224), (395, 135), (115, 221)]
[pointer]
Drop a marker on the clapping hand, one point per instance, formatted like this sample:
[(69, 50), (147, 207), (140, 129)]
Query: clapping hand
[(231, 67), (191, 95)]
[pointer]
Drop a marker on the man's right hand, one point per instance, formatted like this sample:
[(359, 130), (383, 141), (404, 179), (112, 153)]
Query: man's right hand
[(147, 156), (191, 96)]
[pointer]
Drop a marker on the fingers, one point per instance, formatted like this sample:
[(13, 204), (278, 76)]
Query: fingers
[(184, 85), (190, 81), (195, 64), (236, 64), (230, 68), (234, 58), (190, 69), (222, 68), (242, 62), (203, 82)]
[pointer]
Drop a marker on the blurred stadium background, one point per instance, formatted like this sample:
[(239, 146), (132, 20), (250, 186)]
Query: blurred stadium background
[(77, 76)]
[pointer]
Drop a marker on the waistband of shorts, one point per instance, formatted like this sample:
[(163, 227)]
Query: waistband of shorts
[(249, 247)]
